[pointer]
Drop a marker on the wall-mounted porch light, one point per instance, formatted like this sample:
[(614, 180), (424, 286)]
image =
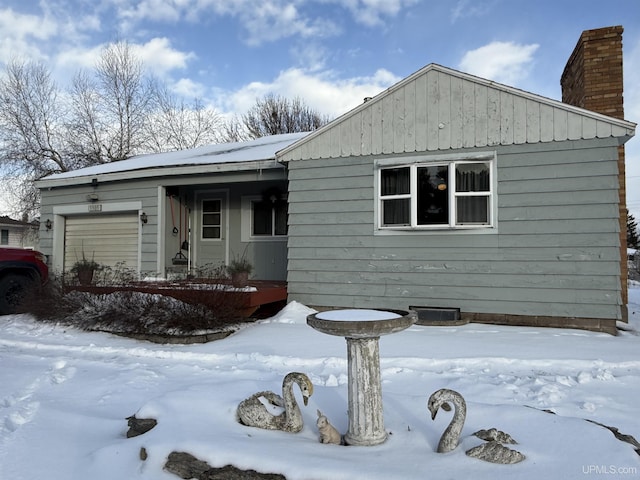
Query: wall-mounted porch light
[(143, 218), (48, 224)]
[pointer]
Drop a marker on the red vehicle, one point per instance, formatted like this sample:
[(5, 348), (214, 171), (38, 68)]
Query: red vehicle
[(20, 270)]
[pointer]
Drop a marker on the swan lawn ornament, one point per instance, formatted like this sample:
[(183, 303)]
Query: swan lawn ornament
[(328, 433), (265, 409), (492, 451), (451, 435)]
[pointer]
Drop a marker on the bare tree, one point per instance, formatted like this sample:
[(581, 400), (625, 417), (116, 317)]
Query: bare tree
[(123, 93), (30, 120), (176, 125), (234, 130), (85, 125), (32, 142), (273, 115), (109, 114)]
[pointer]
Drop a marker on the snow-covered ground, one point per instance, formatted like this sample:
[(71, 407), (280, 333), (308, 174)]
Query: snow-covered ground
[(65, 394)]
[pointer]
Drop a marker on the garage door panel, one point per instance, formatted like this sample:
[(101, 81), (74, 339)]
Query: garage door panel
[(108, 239)]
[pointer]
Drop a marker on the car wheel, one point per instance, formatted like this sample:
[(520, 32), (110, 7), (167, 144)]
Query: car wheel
[(12, 290)]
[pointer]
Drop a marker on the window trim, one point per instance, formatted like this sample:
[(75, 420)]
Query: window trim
[(414, 162)]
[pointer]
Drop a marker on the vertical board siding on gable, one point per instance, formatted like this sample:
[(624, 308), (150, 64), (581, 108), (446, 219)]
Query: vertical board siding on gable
[(506, 118), (546, 259), (532, 122), (439, 111), (444, 111), (420, 114), (409, 135)]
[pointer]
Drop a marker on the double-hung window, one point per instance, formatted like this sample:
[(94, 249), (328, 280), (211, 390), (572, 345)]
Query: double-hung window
[(442, 194)]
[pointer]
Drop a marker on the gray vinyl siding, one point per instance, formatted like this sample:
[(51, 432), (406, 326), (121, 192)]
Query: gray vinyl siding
[(555, 251)]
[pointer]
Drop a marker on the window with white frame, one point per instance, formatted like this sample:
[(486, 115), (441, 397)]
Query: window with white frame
[(212, 219), (268, 218), (4, 237), (451, 194)]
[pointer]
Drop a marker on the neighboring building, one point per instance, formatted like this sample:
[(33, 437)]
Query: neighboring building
[(446, 191), (633, 264), (16, 233)]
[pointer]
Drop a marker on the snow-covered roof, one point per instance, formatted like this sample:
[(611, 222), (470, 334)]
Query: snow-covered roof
[(236, 153)]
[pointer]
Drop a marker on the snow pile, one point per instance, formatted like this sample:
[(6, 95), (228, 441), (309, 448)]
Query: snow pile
[(65, 394)]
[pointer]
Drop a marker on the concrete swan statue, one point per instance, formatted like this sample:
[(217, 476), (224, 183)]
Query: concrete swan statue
[(258, 409), (451, 436), (492, 451)]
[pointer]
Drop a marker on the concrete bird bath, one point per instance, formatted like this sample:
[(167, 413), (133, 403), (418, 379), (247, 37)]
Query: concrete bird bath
[(362, 328)]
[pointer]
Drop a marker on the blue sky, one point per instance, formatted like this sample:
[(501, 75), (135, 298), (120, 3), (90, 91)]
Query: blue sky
[(331, 53)]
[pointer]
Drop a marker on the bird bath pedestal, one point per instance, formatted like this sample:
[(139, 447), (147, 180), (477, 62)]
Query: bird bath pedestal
[(362, 328)]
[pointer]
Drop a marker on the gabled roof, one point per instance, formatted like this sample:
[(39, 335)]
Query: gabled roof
[(6, 221), (258, 153), (438, 108)]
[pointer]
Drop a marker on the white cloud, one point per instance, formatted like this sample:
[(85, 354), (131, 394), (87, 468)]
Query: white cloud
[(265, 20), (469, 9), (20, 34), (75, 58), (310, 56), (372, 12), (160, 57), (320, 91), (504, 62), (156, 10), (188, 89), (273, 20)]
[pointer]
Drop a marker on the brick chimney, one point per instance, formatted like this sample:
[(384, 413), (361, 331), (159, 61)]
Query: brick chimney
[(592, 79)]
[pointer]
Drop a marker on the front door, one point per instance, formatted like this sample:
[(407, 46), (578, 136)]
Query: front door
[(212, 227)]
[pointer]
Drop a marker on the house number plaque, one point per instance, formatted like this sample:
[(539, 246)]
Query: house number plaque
[(96, 207)]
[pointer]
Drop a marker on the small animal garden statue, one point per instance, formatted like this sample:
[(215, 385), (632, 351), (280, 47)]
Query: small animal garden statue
[(328, 433), (258, 409)]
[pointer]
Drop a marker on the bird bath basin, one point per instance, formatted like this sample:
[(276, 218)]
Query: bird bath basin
[(362, 329)]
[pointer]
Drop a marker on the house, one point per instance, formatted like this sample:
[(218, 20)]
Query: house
[(172, 213), (446, 192), (16, 233)]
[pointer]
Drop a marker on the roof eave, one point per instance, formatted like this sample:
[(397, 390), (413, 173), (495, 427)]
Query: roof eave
[(156, 172)]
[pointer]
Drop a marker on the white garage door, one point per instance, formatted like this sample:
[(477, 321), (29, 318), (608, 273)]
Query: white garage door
[(108, 239)]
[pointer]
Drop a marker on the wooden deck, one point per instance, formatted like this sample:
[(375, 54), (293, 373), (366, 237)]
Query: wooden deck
[(260, 297)]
